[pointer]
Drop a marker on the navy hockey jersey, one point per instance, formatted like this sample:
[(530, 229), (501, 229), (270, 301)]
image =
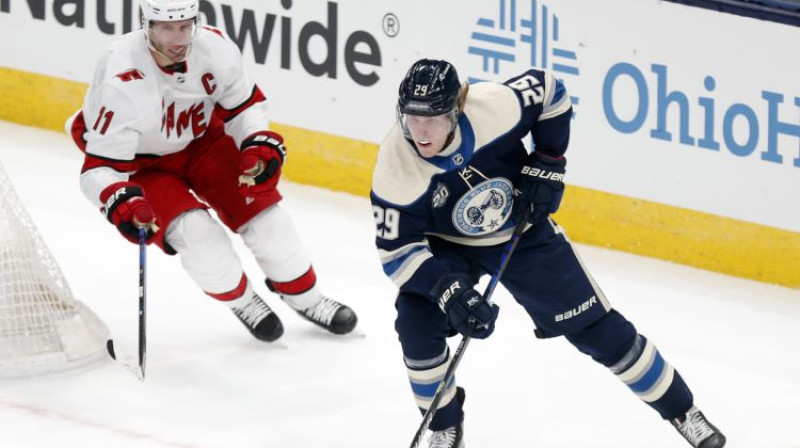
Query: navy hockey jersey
[(464, 195)]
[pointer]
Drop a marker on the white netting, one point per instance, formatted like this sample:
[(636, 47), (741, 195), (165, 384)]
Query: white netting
[(43, 328)]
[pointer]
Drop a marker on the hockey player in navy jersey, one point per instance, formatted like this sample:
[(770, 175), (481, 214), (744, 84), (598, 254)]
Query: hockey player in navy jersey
[(451, 180), (172, 126)]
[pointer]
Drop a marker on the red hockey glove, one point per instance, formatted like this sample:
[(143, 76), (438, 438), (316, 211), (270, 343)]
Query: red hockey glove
[(126, 208), (260, 163)]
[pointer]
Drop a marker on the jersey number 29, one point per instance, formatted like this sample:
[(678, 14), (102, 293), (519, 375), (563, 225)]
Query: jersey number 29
[(387, 222)]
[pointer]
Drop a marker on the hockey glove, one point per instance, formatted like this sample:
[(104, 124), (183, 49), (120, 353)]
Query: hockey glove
[(540, 186), (260, 163), (126, 208), (463, 306)]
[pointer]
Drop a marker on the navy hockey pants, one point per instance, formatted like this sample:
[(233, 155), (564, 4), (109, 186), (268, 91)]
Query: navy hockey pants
[(547, 278)]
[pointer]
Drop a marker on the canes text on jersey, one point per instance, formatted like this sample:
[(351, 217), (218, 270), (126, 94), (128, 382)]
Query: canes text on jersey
[(194, 116)]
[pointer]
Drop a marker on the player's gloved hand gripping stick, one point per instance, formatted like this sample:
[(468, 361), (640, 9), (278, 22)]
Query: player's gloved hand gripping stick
[(471, 326), (260, 163), (125, 206)]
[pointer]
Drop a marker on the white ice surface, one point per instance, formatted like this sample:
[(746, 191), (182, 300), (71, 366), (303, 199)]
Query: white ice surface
[(209, 384)]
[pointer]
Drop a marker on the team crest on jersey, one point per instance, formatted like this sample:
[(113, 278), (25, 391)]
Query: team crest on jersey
[(440, 195), (485, 208), (458, 159)]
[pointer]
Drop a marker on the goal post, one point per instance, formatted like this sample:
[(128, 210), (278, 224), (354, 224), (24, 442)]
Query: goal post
[(43, 328)]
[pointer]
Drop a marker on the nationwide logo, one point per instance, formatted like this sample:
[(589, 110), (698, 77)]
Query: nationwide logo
[(265, 31), (524, 33)]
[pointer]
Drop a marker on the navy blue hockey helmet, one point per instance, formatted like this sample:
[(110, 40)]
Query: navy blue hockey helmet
[(431, 87)]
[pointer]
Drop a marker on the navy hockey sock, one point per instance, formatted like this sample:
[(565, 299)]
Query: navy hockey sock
[(653, 379), (614, 342), (425, 376)]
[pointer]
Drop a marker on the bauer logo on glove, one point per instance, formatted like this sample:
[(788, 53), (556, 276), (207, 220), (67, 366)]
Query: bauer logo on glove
[(542, 174), (467, 310), (126, 207)]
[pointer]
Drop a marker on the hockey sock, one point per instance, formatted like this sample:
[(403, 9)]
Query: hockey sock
[(653, 379), (236, 297), (425, 376), (300, 293)]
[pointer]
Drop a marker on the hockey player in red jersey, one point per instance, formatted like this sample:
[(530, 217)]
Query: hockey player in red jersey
[(172, 126)]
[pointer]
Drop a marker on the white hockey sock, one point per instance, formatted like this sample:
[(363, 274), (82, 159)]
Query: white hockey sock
[(300, 292), (242, 300), (303, 301)]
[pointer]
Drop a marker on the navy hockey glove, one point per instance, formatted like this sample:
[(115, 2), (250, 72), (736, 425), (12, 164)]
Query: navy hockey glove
[(463, 305), (540, 186), (126, 208), (260, 163)]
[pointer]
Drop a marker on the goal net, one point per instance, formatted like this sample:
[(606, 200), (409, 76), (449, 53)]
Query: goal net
[(43, 328)]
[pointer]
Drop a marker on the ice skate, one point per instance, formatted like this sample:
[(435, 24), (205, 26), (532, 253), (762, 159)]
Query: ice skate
[(259, 319), (331, 315), (698, 431), (451, 437)]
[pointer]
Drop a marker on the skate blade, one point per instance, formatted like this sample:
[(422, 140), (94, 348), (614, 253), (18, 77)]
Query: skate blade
[(356, 333), (278, 344)]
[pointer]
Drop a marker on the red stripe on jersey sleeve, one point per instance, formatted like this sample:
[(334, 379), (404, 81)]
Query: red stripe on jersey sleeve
[(227, 115)]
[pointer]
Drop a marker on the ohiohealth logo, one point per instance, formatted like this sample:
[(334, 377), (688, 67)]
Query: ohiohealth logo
[(524, 34)]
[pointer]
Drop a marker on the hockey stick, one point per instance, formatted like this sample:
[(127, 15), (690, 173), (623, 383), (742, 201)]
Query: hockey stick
[(462, 346), (125, 361), (142, 299)]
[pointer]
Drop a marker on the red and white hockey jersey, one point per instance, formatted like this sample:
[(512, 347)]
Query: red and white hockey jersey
[(136, 111)]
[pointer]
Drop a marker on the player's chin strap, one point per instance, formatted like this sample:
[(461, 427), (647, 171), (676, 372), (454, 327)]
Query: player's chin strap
[(462, 346)]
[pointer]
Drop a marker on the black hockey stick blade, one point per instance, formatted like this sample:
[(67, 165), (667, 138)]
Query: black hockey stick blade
[(110, 348), (127, 362)]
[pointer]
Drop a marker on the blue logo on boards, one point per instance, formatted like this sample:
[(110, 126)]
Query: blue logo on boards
[(526, 33), (485, 208), (742, 125), (523, 32)]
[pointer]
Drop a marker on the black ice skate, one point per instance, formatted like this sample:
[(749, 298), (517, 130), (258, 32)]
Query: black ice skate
[(260, 320), (452, 437), (698, 431), (331, 315)]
